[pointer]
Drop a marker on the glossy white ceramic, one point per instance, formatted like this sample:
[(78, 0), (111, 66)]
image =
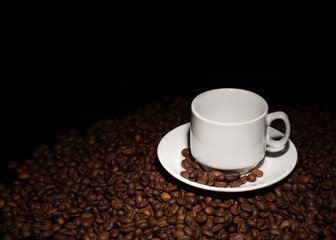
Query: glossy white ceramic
[(229, 129), (275, 165)]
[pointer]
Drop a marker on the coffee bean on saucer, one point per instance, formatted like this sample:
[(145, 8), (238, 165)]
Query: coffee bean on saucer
[(232, 177), (222, 184), (184, 174), (236, 183), (185, 164), (185, 152), (251, 177), (211, 179), (257, 172), (243, 179), (220, 176), (202, 179), (195, 173)]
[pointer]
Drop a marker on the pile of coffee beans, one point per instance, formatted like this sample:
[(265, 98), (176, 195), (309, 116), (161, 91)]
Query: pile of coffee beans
[(194, 172), (109, 184)]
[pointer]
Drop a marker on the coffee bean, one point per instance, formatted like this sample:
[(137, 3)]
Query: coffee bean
[(114, 233), (243, 179), (47, 233), (202, 179), (142, 224), (251, 178), (165, 196), (272, 207), (211, 179), (257, 172), (207, 233), (201, 218), (237, 236), (209, 210), (117, 203), (236, 183), (261, 206), (194, 174), (104, 236), (270, 197), (315, 228), (24, 175), (304, 179), (185, 152), (232, 177), (327, 184), (278, 191), (185, 164), (247, 207), (235, 210), (156, 229), (178, 233), (221, 184), (219, 175)]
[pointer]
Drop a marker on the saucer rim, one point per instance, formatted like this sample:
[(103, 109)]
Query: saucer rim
[(242, 188)]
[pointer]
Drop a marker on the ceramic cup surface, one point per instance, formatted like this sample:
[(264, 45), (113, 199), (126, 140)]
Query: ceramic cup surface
[(228, 129)]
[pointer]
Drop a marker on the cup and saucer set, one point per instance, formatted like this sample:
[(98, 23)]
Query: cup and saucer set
[(230, 131)]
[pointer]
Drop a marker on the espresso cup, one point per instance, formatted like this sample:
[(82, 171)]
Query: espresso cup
[(228, 129)]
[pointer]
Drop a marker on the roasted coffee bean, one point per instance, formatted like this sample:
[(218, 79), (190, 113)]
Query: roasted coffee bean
[(232, 177), (235, 209), (236, 183), (270, 197), (188, 231), (185, 152), (243, 179), (108, 225), (24, 175), (219, 176), (261, 206), (237, 236), (209, 210), (201, 218), (194, 174), (304, 179), (251, 178), (278, 191), (272, 207), (211, 179), (247, 207), (185, 164), (315, 228), (165, 196), (327, 184), (202, 179), (257, 172), (114, 233), (221, 184), (156, 229), (117, 203), (184, 174), (207, 233)]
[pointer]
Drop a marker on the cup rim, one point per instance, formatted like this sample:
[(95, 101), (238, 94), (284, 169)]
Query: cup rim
[(195, 113)]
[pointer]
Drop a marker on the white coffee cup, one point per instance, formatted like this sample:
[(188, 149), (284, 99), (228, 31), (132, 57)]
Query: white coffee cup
[(228, 129)]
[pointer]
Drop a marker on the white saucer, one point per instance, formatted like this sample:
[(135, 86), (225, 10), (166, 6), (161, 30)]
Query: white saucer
[(276, 165)]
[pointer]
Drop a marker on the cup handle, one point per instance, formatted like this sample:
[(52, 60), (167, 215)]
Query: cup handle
[(269, 119)]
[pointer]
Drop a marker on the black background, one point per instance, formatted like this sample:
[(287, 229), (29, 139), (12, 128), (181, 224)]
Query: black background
[(39, 101)]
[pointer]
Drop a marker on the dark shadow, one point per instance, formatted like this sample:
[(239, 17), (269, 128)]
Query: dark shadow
[(277, 153)]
